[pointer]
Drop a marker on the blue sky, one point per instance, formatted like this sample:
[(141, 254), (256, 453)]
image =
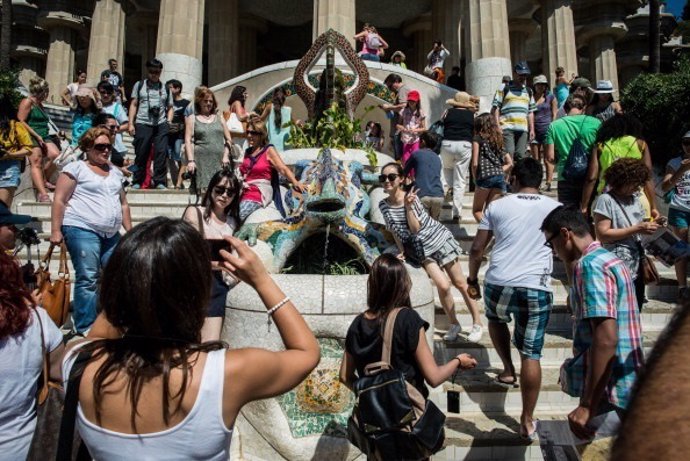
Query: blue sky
[(675, 6)]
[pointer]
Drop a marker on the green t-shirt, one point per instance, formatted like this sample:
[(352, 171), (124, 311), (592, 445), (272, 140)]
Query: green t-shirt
[(562, 134)]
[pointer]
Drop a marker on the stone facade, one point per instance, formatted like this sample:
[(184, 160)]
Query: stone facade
[(212, 41)]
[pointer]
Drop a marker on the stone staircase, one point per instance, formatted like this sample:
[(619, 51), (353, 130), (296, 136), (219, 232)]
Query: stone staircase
[(486, 427)]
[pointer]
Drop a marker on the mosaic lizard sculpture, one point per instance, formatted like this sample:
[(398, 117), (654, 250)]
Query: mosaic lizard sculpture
[(335, 196)]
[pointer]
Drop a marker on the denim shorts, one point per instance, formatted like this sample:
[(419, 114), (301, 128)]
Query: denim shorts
[(10, 173), (679, 218), (448, 253), (492, 182), (531, 309)]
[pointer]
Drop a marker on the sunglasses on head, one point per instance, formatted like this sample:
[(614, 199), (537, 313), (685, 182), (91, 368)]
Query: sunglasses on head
[(220, 190), (102, 147), (253, 132), (388, 177)]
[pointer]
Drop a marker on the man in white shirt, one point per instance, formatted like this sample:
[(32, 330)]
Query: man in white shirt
[(517, 282)]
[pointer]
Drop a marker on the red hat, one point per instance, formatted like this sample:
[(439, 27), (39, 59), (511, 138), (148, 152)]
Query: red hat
[(413, 95)]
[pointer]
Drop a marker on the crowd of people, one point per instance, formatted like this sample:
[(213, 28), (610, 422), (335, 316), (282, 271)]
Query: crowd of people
[(164, 325)]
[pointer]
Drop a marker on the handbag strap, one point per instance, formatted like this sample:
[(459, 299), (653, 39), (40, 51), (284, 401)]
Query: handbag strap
[(69, 412), (200, 221), (45, 262), (64, 268), (43, 393)]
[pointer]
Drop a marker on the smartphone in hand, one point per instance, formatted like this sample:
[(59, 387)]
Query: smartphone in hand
[(214, 247)]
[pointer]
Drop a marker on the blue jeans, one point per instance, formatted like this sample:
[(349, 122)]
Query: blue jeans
[(370, 57), (89, 252)]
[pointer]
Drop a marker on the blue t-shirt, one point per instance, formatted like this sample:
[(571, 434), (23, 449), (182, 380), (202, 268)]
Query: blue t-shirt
[(427, 172)]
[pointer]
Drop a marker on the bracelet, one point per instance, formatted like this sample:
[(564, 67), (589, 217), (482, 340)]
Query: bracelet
[(274, 309), (471, 281), (191, 161), (459, 361)]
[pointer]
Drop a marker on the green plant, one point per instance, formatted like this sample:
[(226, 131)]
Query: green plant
[(334, 129), (9, 82), (660, 102)]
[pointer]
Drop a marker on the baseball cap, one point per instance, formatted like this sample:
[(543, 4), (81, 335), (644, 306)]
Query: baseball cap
[(413, 95), (7, 217), (521, 68), (581, 82)]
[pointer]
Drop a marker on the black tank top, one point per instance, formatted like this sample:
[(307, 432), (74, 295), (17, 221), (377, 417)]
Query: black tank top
[(458, 125)]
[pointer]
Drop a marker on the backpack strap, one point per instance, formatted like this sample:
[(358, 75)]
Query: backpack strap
[(388, 335)]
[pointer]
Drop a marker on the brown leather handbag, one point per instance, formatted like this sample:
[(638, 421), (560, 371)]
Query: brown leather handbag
[(54, 294)]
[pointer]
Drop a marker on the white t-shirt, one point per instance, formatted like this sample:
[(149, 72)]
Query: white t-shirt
[(519, 257), (95, 203), (20, 366)]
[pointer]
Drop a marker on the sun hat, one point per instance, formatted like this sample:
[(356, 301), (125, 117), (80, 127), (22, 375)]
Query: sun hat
[(687, 134), (398, 53), (413, 95), (521, 68), (540, 79), (604, 87), (7, 217), (463, 99)]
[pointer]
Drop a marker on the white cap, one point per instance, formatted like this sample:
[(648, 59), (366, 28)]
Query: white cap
[(540, 79)]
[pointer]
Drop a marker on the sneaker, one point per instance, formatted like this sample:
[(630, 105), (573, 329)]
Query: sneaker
[(136, 186), (475, 333), (161, 187), (453, 332)]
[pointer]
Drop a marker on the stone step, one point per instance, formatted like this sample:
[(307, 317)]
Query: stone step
[(654, 316), (557, 348)]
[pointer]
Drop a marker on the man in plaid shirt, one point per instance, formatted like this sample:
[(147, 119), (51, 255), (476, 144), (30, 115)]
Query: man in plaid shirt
[(607, 330)]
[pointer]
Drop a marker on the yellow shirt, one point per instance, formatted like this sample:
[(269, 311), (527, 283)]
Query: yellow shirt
[(16, 139)]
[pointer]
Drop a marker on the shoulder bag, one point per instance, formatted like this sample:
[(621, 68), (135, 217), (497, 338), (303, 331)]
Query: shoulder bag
[(50, 419), (54, 294), (646, 269), (391, 419)]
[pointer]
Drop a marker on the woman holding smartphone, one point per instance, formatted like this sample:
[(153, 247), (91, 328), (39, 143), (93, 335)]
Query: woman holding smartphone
[(216, 218), (427, 242)]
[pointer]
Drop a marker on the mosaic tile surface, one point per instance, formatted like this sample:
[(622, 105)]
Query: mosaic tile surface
[(320, 404)]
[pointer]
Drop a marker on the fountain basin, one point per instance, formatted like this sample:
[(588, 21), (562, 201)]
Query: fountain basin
[(308, 422)]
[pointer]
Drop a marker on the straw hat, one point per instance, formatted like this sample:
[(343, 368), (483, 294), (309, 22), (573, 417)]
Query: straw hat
[(540, 79), (464, 100), (604, 87), (398, 53)]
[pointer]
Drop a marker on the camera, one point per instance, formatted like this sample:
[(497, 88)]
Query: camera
[(187, 175), (28, 236), (154, 112)]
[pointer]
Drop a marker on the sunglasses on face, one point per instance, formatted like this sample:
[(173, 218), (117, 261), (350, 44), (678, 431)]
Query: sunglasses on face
[(109, 127), (388, 177), (253, 132), (549, 241), (102, 147), (220, 190)]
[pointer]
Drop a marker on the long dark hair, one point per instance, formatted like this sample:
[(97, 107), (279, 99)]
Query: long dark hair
[(15, 299), (388, 285), (160, 311), (618, 126), (486, 128), (278, 100), (237, 95), (7, 113), (234, 208)]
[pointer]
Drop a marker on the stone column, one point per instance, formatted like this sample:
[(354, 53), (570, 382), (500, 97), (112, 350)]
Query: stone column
[(249, 29), (60, 61), (223, 40), (421, 32), (107, 40), (446, 19), (602, 60), (29, 67), (558, 38), (487, 47), (335, 14), (519, 31), (180, 41)]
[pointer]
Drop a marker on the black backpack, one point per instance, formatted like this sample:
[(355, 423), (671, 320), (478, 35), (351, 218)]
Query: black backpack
[(391, 419)]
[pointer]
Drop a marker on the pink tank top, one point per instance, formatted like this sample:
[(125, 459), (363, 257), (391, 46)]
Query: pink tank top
[(261, 169)]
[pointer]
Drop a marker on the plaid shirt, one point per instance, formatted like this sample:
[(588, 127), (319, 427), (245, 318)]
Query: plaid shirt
[(603, 288)]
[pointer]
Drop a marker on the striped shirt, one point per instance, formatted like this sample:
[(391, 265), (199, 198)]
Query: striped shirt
[(603, 288), (515, 107), (432, 233)]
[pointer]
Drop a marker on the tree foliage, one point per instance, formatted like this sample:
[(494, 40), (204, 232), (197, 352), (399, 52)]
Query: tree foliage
[(9, 82), (660, 101)]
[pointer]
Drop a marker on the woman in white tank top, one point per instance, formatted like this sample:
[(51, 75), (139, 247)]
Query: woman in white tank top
[(146, 344)]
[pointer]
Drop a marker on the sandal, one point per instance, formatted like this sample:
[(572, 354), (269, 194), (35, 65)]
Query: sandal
[(43, 198), (532, 436), (513, 384)]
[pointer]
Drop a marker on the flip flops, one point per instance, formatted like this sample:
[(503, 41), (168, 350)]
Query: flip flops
[(534, 435), (507, 384)]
